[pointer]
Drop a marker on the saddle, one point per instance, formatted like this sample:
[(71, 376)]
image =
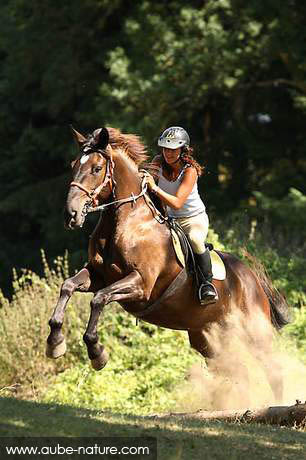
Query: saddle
[(182, 246), (185, 255)]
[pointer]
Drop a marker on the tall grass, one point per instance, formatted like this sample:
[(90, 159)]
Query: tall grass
[(24, 329)]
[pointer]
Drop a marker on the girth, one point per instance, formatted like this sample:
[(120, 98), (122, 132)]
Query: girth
[(178, 280)]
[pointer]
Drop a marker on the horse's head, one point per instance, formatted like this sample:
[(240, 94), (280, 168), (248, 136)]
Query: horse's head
[(91, 176)]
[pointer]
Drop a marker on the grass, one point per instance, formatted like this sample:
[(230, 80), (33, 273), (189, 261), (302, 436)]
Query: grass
[(177, 439)]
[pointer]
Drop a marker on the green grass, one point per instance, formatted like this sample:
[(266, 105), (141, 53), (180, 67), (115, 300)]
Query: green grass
[(177, 439), (140, 378)]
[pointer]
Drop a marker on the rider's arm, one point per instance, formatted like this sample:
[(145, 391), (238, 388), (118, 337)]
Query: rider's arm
[(177, 201)]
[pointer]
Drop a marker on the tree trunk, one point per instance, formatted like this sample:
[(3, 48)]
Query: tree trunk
[(278, 415)]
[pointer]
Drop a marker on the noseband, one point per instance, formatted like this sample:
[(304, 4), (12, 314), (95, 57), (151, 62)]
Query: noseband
[(108, 179)]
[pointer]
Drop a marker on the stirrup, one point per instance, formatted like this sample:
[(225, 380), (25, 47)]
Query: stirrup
[(209, 296)]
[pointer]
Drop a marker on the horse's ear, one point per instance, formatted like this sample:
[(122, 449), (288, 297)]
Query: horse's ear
[(79, 138), (101, 137)]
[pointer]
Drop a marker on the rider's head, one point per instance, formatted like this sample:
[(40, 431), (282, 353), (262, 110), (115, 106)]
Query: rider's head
[(173, 138), (175, 143)]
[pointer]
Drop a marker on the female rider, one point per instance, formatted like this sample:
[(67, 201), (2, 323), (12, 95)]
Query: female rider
[(177, 187)]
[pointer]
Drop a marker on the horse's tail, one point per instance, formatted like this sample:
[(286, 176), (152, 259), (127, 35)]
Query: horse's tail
[(279, 308)]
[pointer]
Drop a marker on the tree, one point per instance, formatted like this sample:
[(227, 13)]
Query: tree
[(52, 64), (233, 74)]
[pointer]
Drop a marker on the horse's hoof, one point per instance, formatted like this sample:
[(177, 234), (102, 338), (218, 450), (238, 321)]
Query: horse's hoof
[(57, 351), (100, 362)]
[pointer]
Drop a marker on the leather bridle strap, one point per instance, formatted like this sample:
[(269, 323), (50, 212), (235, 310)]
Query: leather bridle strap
[(94, 193), (81, 187), (131, 199)]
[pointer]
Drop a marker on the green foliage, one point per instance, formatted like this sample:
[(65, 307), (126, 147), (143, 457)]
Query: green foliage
[(288, 213), (24, 327), (273, 231), (216, 68), (296, 331), (231, 72), (214, 239), (51, 66), (287, 272), (144, 369), (280, 254)]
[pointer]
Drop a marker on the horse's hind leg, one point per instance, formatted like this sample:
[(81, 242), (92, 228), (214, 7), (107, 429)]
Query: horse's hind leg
[(274, 372), (222, 368), (199, 342), (56, 344), (264, 353)]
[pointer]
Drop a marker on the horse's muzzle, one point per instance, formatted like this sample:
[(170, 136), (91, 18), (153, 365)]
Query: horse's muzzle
[(73, 219), (69, 219)]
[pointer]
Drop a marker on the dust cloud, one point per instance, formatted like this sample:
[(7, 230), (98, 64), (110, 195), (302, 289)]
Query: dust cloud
[(253, 367)]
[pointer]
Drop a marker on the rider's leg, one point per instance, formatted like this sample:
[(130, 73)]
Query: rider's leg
[(196, 229), (207, 291)]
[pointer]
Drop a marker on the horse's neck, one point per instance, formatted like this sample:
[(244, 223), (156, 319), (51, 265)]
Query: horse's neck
[(126, 183), (116, 220), (126, 177)]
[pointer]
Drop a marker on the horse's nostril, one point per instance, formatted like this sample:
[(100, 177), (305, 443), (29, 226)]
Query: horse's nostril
[(70, 213)]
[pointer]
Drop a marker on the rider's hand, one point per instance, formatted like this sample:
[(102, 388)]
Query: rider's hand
[(148, 179)]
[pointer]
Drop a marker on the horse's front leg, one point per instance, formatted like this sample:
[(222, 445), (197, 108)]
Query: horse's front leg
[(56, 344), (130, 288)]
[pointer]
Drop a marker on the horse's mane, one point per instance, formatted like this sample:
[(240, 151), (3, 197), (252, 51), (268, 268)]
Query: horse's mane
[(130, 144)]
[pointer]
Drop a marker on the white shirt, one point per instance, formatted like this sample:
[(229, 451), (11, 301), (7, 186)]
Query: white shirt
[(193, 204)]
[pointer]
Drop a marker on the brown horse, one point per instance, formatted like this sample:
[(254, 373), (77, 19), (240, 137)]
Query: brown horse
[(132, 260)]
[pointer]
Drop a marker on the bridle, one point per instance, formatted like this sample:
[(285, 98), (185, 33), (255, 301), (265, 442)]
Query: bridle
[(92, 205), (108, 179)]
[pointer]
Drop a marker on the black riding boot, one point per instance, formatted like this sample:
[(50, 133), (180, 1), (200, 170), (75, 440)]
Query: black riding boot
[(207, 291)]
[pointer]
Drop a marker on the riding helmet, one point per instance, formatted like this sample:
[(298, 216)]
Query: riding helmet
[(174, 137)]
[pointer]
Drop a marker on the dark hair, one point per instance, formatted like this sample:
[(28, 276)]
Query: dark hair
[(186, 157)]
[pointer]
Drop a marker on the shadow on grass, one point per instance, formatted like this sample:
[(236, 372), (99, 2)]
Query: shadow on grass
[(177, 439)]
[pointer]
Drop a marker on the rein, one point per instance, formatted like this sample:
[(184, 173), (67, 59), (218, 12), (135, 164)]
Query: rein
[(133, 198)]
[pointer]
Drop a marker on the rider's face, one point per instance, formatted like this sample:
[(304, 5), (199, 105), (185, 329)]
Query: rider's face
[(171, 155)]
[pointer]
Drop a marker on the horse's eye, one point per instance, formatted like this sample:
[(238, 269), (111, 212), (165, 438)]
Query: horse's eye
[(97, 169)]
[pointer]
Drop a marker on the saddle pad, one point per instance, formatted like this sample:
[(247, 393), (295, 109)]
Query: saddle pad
[(218, 267)]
